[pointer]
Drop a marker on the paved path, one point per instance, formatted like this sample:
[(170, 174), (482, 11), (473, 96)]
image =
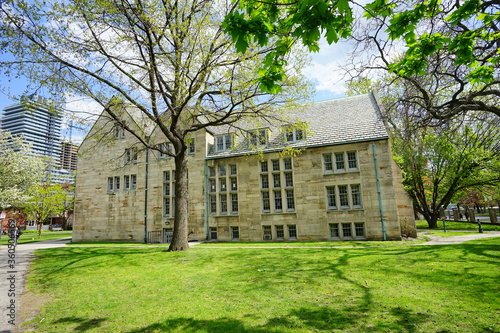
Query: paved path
[(12, 276)]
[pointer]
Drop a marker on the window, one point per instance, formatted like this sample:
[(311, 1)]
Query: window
[(339, 162), (280, 232), (211, 185), (346, 230), (294, 134), (168, 193), (165, 148), (352, 161), (222, 185), (191, 147), (281, 196), (288, 179), (213, 203), (211, 171), (347, 196), (131, 155), (343, 196), (276, 180), (126, 181), (232, 169), (356, 196), (117, 183), (266, 204), (267, 234), (110, 184), (223, 142), (276, 165), (359, 229), (278, 204), (213, 233), (257, 137), (133, 182), (263, 166), (118, 131), (330, 197), (223, 203), (334, 230), (264, 181), (327, 162), (292, 231), (233, 183), (234, 203), (235, 233), (222, 170), (290, 203)]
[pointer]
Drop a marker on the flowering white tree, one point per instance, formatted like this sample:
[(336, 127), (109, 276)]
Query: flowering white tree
[(19, 171)]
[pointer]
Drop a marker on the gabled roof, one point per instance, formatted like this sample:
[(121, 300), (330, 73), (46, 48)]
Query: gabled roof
[(332, 122)]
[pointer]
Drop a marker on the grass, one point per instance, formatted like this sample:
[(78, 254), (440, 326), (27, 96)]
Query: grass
[(448, 288), (422, 224), (31, 237), (309, 244)]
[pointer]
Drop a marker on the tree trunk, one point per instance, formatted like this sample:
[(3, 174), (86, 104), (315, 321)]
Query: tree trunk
[(180, 237)]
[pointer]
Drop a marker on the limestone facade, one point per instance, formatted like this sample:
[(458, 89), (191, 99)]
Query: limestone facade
[(341, 183)]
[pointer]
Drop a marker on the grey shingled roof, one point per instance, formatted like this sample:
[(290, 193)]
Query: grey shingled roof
[(332, 122)]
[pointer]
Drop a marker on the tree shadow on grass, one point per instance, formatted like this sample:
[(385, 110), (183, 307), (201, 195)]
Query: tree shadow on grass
[(84, 323)]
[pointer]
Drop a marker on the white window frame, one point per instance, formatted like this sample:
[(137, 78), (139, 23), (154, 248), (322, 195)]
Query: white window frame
[(223, 142)]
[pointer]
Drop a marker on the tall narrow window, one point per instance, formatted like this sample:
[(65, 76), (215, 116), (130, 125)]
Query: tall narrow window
[(356, 196), (117, 183), (110, 184), (330, 197), (126, 181), (133, 182), (222, 170), (287, 163), (266, 204), (343, 196), (352, 161), (339, 162), (288, 179), (278, 203), (346, 230), (211, 185), (327, 162), (264, 181), (168, 193), (222, 185), (359, 229), (213, 203), (276, 165), (292, 231), (290, 203), (276, 180), (280, 232), (233, 181), (264, 166), (211, 171), (213, 233), (232, 169), (223, 203), (234, 203), (191, 147), (267, 233)]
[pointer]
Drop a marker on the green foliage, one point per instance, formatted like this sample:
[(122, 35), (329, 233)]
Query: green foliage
[(466, 30), (20, 171)]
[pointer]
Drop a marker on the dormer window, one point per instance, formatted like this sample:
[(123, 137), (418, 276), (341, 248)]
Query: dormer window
[(131, 155), (165, 148), (257, 137), (223, 142), (118, 131), (294, 134)]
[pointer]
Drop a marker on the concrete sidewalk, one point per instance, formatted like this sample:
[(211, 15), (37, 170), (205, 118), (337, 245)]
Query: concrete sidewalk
[(12, 276), (437, 240)]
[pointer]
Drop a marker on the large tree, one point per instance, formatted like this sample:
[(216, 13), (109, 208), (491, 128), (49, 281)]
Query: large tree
[(171, 60), (456, 41), (20, 171)]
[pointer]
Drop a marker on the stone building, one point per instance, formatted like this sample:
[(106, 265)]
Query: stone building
[(338, 183)]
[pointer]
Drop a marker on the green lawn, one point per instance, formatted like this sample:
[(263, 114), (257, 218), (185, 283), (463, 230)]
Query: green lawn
[(448, 288), (30, 237), (422, 224)]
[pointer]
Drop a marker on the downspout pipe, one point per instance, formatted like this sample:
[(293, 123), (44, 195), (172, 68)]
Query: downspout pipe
[(146, 198), (205, 165), (379, 191)]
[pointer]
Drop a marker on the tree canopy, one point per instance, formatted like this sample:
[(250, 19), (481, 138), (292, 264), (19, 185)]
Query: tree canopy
[(457, 41), (20, 171), (170, 60)]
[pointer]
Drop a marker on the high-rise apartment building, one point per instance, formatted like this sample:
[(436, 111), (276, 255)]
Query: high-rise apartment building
[(69, 156), (39, 122)]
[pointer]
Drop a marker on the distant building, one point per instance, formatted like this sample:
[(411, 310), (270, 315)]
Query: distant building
[(344, 185), (69, 156), (39, 122)]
